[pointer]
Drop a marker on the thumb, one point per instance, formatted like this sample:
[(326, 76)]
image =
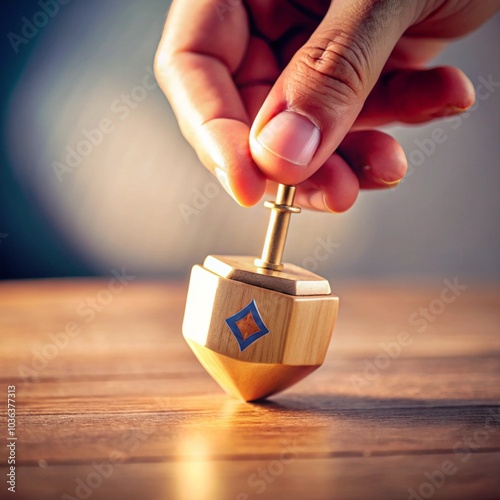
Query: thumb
[(317, 98)]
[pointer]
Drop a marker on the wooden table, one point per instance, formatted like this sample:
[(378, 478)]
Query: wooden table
[(111, 404)]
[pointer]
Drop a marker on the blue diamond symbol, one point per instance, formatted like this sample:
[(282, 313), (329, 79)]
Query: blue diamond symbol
[(247, 325)]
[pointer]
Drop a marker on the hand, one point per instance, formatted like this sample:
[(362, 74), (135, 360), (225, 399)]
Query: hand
[(290, 91)]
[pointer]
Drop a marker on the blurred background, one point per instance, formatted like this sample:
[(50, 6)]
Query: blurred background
[(95, 174)]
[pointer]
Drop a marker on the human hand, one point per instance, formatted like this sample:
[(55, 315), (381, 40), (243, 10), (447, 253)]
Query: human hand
[(290, 91)]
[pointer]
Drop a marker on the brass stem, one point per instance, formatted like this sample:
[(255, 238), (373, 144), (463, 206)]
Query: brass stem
[(274, 244)]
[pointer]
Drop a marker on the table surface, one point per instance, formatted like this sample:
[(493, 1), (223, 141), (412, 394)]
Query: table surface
[(111, 403)]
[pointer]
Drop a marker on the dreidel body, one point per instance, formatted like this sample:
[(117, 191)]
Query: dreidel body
[(259, 326)]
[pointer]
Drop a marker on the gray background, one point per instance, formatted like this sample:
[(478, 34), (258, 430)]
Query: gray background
[(122, 206)]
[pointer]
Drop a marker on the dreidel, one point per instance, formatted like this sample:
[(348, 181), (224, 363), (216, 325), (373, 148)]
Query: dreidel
[(259, 326)]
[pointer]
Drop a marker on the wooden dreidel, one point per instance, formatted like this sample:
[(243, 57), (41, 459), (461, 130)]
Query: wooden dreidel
[(258, 326)]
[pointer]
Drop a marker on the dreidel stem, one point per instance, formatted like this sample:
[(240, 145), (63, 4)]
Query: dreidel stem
[(274, 244)]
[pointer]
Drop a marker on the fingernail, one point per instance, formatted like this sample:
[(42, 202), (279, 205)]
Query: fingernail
[(290, 136), (385, 182), (224, 182), (318, 201)]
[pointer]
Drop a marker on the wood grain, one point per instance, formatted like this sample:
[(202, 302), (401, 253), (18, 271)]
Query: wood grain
[(300, 326), (124, 408)]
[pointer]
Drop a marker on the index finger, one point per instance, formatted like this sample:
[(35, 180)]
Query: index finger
[(201, 48)]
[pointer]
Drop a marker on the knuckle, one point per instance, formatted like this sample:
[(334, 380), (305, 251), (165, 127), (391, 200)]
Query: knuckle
[(338, 61)]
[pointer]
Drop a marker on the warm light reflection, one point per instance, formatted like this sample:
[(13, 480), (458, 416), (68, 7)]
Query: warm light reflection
[(196, 475)]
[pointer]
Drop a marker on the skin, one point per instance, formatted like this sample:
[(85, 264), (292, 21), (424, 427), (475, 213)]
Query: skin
[(229, 67)]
